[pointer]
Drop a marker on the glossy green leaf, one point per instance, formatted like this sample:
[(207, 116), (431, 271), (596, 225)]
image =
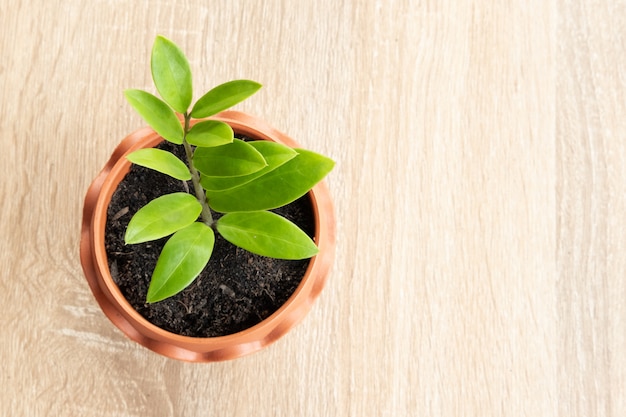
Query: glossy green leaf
[(162, 161), (210, 133), (224, 96), (275, 155), (234, 159), (278, 187), (171, 74), (162, 217), (157, 114), (266, 233), (182, 259)]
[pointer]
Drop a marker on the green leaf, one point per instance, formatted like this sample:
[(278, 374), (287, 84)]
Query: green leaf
[(157, 114), (162, 161), (182, 259), (275, 155), (210, 133), (224, 96), (234, 159), (266, 233), (171, 74), (162, 216), (281, 186)]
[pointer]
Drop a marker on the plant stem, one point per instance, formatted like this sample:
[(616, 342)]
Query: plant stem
[(207, 218)]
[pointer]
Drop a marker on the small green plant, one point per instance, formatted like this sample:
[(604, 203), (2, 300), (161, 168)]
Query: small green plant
[(242, 179)]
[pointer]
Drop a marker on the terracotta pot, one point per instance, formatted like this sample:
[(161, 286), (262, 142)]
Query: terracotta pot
[(126, 318)]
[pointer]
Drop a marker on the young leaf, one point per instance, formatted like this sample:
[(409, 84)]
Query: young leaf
[(234, 159), (182, 259), (266, 233), (275, 155), (224, 96), (162, 216), (171, 74), (278, 187), (162, 161), (210, 133), (157, 114)]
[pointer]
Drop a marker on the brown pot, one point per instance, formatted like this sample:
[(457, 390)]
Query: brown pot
[(136, 327)]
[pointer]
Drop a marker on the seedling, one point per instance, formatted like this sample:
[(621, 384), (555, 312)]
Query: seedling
[(242, 179)]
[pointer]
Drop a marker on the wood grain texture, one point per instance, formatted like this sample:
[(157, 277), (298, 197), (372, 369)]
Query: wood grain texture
[(479, 187), (591, 198)]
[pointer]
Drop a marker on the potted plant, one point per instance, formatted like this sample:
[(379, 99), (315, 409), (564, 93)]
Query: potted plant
[(198, 217)]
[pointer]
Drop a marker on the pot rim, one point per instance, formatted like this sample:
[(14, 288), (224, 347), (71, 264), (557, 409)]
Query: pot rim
[(198, 349)]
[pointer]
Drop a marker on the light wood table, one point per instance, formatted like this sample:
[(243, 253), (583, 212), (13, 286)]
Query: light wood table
[(480, 189)]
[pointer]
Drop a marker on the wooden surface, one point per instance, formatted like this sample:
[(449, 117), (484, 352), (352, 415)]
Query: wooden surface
[(480, 191)]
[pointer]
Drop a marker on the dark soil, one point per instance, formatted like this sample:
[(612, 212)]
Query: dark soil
[(235, 291)]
